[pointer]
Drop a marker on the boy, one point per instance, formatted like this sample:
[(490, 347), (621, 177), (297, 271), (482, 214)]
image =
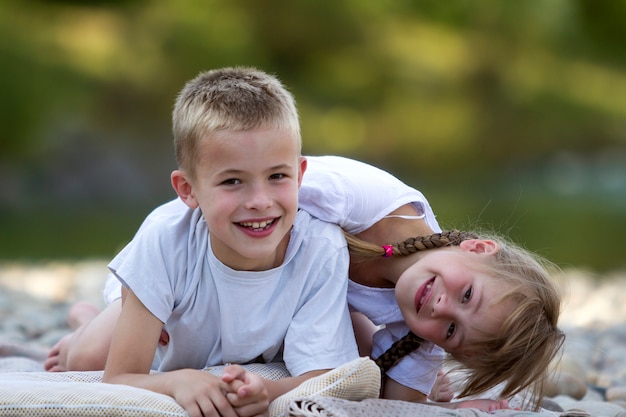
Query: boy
[(240, 275)]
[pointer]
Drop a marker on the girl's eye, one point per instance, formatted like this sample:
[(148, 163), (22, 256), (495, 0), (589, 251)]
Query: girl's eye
[(467, 295), (451, 330)]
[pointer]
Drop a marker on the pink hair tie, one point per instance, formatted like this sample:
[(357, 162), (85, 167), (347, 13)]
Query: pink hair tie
[(388, 251)]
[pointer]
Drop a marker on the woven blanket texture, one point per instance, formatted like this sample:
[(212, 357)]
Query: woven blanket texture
[(27, 390)]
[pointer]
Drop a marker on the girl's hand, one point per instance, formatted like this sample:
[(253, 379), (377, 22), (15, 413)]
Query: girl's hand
[(247, 392), (484, 404), (200, 393), (442, 391)]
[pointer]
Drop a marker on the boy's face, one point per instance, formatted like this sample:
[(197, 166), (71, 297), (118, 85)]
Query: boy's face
[(446, 298), (246, 184)]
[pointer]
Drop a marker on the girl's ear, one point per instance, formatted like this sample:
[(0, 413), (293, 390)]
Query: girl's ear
[(184, 189), (485, 246)]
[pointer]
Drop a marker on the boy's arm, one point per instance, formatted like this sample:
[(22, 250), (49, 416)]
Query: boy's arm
[(134, 340), (130, 358)]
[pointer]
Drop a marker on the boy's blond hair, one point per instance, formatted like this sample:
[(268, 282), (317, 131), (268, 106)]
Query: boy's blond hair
[(519, 356), (235, 99)]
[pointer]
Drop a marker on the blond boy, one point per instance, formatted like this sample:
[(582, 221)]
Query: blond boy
[(241, 275)]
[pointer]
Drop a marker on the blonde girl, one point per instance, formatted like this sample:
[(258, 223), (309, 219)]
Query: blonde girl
[(492, 305)]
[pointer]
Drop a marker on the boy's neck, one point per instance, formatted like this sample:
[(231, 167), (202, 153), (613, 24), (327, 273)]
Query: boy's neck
[(240, 263)]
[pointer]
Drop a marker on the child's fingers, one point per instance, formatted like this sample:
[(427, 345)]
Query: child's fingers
[(233, 372), (253, 409)]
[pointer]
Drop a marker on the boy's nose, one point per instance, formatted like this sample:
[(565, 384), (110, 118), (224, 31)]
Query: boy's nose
[(259, 199)]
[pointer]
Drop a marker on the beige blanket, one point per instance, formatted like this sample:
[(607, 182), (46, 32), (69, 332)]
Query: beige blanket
[(349, 391)]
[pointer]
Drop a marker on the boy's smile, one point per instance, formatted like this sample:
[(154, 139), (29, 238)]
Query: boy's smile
[(259, 228)]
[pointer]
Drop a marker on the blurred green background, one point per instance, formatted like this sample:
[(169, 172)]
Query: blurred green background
[(508, 115)]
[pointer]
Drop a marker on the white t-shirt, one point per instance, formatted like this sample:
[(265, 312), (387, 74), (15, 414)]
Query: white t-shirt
[(213, 314), (356, 195)]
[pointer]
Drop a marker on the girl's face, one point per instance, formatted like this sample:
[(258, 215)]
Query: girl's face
[(446, 298)]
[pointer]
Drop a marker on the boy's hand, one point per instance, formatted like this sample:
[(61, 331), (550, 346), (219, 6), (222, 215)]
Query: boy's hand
[(247, 393), (200, 393)]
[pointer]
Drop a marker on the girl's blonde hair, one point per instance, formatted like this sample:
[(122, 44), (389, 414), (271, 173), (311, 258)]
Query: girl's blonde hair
[(520, 355), (235, 99)]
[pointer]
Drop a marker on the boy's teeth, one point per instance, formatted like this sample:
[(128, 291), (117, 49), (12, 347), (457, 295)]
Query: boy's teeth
[(257, 225)]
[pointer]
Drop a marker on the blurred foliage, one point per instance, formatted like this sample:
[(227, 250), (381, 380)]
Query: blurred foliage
[(468, 99)]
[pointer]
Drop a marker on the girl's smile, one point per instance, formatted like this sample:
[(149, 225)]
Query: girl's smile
[(422, 294)]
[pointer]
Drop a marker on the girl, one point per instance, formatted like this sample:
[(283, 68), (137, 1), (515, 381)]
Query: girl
[(490, 304)]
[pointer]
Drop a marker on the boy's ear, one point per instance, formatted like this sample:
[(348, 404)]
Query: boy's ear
[(183, 188), (303, 165), (485, 246)]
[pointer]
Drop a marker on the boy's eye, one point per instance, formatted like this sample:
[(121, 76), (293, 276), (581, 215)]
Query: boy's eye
[(277, 176), (231, 181), (451, 330), (467, 295)]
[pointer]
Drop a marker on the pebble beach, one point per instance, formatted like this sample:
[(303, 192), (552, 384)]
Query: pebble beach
[(591, 376)]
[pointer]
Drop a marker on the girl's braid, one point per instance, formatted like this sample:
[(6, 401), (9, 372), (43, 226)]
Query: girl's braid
[(411, 342), (436, 240), (397, 351)]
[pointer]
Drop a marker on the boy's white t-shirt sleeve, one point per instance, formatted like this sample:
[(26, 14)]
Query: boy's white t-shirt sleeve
[(320, 335), (138, 269), (112, 286), (152, 263)]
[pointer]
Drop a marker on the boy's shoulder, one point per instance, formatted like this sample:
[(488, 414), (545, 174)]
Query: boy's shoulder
[(170, 226), (315, 238), (310, 226), (315, 245)]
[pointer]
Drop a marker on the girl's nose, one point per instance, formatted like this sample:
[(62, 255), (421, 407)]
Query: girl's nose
[(441, 307)]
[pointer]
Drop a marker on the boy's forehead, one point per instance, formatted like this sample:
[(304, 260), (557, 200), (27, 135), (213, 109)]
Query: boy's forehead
[(270, 134), (235, 143)]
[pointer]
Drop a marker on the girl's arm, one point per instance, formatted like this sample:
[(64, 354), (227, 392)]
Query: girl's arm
[(364, 331), (393, 390)]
